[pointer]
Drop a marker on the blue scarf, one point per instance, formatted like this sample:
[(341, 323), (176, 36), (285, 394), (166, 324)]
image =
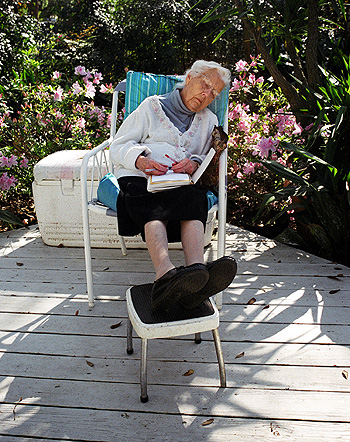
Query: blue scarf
[(176, 111)]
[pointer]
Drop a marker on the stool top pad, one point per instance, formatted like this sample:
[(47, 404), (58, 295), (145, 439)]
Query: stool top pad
[(141, 299)]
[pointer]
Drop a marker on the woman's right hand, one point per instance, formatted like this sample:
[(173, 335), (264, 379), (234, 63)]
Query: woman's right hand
[(149, 166)]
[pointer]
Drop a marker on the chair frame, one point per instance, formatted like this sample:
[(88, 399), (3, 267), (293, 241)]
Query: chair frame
[(97, 159)]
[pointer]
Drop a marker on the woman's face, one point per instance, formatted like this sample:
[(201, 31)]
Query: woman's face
[(201, 89)]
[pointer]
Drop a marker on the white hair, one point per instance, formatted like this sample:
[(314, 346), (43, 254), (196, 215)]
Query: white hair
[(201, 66)]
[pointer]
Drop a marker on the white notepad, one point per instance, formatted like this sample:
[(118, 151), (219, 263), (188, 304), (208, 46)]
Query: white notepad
[(170, 180)]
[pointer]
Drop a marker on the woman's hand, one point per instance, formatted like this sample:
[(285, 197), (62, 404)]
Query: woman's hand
[(149, 166), (185, 166)]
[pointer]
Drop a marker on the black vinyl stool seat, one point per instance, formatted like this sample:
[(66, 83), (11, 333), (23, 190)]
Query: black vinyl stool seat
[(177, 322)]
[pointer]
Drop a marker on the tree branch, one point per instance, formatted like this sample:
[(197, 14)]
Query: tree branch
[(287, 88), (313, 74)]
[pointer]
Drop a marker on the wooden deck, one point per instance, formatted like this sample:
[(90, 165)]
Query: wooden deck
[(65, 375)]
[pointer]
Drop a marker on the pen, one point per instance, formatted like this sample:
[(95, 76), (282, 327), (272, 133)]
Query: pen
[(172, 159)]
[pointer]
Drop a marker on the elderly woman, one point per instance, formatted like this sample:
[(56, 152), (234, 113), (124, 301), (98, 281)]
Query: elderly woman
[(172, 131)]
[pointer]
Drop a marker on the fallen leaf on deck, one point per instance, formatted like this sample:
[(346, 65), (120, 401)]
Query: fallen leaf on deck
[(340, 275), (334, 291), (266, 306), (116, 325), (90, 364), (240, 355), (107, 268), (19, 264), (251, 301), (207, 422), (14, 408), (345, 374), (76, 313), (188, 372)]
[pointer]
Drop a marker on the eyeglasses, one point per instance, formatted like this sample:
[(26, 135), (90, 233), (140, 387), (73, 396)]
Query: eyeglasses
[(207, 86)]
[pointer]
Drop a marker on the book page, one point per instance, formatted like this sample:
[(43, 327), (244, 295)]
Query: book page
[(198, 173), (170, 176)]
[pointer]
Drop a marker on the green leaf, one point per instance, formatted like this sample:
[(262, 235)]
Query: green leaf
[(10, 217), (284, 172), (305, 153)]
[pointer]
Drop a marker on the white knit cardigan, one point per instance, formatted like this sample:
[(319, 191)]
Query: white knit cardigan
[(148, 130)]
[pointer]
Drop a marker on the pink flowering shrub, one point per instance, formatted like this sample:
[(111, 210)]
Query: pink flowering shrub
[(259, 119), (55, 116), (49, 117)]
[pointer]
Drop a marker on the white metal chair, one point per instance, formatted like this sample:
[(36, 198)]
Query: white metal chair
[(96, 164)]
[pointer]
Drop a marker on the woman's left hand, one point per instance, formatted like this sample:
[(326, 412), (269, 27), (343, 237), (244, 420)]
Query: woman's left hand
[(185, 166)]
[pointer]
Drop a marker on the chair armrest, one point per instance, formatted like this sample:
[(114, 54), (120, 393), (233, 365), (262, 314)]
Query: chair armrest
[(96, 164)]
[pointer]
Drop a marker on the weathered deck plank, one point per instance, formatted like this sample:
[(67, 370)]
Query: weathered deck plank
[(290, 381)]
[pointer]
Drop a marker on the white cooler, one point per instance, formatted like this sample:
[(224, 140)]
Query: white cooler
[(57, 198)]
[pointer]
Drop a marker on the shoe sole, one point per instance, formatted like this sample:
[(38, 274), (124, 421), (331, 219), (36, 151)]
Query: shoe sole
[(186, 283)]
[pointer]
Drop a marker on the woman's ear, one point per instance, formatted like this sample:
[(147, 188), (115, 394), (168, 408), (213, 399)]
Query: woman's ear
[(188, 78)]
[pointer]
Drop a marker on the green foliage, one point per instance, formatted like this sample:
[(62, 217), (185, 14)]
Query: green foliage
[(321, 183), (18, 35)]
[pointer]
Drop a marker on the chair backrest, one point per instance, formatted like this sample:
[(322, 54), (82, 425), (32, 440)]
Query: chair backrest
[(140, 85)]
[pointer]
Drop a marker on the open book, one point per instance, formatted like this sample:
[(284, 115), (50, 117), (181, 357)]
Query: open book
[(171, 179)]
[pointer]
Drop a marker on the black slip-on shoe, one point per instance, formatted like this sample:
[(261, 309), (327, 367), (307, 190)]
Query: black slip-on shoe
[(221, 274), (177, 282)]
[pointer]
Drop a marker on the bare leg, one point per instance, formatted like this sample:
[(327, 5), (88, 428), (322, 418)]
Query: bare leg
[(192, 237), (157, 244)]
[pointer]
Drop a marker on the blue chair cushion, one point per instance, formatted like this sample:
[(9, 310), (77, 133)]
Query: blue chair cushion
[(108, 191), (140, 85)]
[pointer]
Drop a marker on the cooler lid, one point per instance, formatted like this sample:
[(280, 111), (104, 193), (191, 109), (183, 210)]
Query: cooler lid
[(64, 165)]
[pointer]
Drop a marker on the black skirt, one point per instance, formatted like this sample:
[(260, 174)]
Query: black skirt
[(136, 207)]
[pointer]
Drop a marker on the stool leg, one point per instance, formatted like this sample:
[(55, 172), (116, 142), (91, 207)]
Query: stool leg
[(129, 347), (143, 371), (197, 338), (220, 357)]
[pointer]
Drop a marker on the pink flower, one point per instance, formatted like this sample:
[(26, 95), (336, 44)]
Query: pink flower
[(236, 112), (90, 90), (249, 167), (81, 123), (76, 88), (235, 85), (87, 77), (97, 78), (266, 145), (56, 75), (297, 129), (309, 127), (7, 181), (251, 79), (241, 66), (8, 162), (80, 70), (24, 162), (244, 125), (58, 94), (106, 88)]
